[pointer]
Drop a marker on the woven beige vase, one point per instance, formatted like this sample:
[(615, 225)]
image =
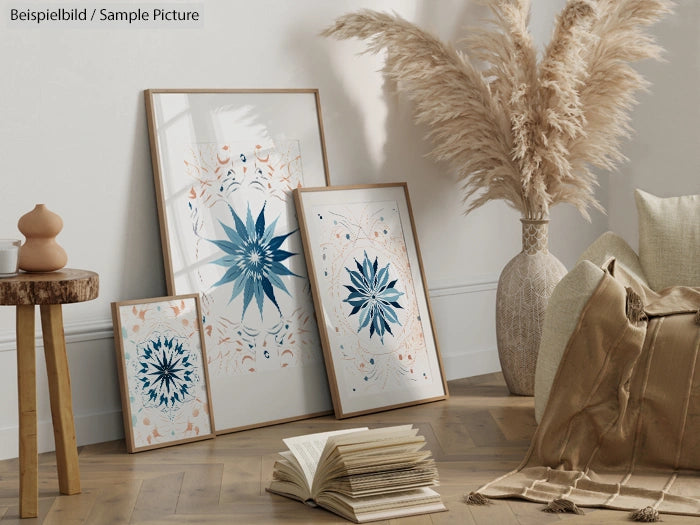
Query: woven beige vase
[(524, 288)]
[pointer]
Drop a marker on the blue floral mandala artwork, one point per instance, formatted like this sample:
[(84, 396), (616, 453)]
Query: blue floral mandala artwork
[(373, 297), (253, 259), (166, 373)]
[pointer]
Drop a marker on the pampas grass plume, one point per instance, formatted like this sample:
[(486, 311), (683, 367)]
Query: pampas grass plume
[(523, 131)]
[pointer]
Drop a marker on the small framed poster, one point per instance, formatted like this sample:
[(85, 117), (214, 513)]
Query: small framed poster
[(371, 301), (161, 363)]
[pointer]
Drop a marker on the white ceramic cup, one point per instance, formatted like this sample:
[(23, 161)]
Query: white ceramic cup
[(9, 256)]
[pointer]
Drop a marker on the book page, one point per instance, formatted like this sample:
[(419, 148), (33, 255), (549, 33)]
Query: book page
[(386, 501), (384, 506), (377, 437), (308, 449)]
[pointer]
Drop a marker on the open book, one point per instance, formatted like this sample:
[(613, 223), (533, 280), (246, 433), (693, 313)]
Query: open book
[(360, 474)]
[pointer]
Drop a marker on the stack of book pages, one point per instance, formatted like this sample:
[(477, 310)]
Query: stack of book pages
[(360, 474)]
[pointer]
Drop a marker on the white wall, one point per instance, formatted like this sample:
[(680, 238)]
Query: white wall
[(665, 150), (73, 136)]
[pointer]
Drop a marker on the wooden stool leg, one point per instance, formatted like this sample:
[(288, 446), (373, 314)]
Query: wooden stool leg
[(60, 397), (26, 393)]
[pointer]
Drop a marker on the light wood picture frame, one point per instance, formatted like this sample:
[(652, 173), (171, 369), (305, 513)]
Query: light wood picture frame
[(372, 305), (161, 362), (225, 163)]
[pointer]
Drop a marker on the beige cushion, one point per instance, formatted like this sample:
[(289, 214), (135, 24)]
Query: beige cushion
[(561, 317), (669, 239), (611, 245)]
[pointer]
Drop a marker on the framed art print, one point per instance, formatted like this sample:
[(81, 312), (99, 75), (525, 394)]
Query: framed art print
[(372, 306), (225, 164), (161, 362)]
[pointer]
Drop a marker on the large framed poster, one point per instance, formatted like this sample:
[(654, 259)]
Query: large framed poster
[(225, 164), (371, 299)]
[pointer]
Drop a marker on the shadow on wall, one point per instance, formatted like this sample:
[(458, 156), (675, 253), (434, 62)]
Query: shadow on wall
[(347, 147), (360, 153), (407, 146), (142, 273)]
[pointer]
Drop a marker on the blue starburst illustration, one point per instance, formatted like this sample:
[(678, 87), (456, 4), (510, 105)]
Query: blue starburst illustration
[(165, 373), (254, 259), (373, 297)]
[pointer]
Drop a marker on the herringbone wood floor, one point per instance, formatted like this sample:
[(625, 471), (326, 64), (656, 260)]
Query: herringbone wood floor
[(479, 433)]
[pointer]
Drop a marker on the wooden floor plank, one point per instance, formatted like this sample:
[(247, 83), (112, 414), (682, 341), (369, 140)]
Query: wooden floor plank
[(9, 495), (72, 510), (201, 489), (457, 512), (412, 520), (616, 517), (115, 503), (524, 515), (11, 517), (241, 479), (516, 423), (452, 435), (483, 430), (497, 512), (158, 497)]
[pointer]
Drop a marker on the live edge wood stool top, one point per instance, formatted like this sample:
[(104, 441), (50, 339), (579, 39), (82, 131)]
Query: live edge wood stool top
[(60, 287), (49, 291)]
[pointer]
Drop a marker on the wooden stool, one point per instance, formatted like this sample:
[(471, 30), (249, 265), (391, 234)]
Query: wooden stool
[(49, 291)]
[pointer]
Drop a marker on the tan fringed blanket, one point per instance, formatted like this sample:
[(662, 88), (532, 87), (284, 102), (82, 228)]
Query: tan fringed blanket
[(622, 425)]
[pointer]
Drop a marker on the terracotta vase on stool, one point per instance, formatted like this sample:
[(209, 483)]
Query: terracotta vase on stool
[(41, 252)]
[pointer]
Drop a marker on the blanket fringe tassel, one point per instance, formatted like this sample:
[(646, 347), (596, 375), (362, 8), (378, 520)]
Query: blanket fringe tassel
[(634, 307), (646, 515), (474, 498), (562, 505)]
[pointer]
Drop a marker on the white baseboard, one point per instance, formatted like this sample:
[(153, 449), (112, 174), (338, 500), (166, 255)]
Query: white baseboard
[(92, 428), (469, 364), (74, 332), (485, 284)]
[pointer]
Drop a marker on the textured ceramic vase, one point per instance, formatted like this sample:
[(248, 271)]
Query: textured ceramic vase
[(41, 252), (524, 288)]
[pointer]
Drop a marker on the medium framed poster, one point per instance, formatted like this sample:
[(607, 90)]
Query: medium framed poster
[(372, 306), (161, 363), (225, 164)]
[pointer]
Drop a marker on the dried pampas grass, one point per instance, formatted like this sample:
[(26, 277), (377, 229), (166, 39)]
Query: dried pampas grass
[(524, 131)]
